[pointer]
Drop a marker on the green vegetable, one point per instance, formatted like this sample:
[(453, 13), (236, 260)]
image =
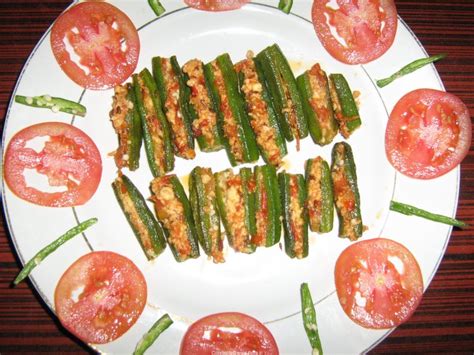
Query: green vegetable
[(409, 68), (285, 6), (43, 253), (414, 211), (157, 8), (55, 104), (149, 338), (144, 225), (309, 319)]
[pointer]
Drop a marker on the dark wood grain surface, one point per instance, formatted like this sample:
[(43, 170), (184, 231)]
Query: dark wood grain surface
[(443, 323)]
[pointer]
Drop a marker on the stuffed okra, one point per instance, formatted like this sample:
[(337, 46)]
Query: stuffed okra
[(147, 230), (344, 105), (314, 88), (174, 94), (158, 146), (202, 196), (126, 122), (173, 210), (260, 109), (346, 192)]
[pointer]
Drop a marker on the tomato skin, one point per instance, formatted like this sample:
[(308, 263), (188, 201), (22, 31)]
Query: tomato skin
[(96, 31), (216, 5), (428, 133), (228, 332), (113, 296), (378, 283), (69, 153), (359, 23)]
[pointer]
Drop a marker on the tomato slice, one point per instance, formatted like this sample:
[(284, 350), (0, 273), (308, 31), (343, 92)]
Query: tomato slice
[(216, 5), (229, 332), (96, 45), (378, 283), (357, 31), (100, 296), (69, 159), (428, 133)]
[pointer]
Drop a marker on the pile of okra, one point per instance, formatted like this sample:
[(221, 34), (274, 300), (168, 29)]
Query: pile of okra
[(249, 109)]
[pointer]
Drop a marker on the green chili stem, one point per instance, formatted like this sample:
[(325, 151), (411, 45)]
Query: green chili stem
[(43, 253), (409, 68), (149, 338), (414, 211), (55, 104), (309, 319), (285, 6), (157, 8)]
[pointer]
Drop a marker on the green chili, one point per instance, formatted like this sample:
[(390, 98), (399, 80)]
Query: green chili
[(149, 338), (409, 68), (414, 211), (157, 7), (285, 6), (309, 319), (43, 253), (55, 104)]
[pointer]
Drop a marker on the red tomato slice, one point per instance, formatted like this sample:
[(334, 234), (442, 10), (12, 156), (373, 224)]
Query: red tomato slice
[(69, 159), (367, 28), (229, 332), (428, 133), (100, 296), (216, 5), (95, 44), (378, 283)]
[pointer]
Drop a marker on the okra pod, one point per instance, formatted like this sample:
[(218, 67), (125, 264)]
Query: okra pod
[(285, 5), (55, 104), (172, 88), (232, 120), (319, 192), (149, 338), (295, 217), (344, 105), (144, 225), (263, 119), (202, 107), (202, 196), (309, 319), (284, 91), (174, 212), (346, 192), (156, 135), (127, 124), (236, 201), (157, 7), (314, 88), (267, 207)]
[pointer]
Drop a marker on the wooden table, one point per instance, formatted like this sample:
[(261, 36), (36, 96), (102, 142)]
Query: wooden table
[(444, 322)]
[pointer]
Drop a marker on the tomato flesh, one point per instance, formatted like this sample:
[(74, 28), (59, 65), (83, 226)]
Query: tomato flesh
[(100, 296), (378, 283), (69, 159), (95, 44), (228, 332), (357, 31), (216, 5), (428, 133)]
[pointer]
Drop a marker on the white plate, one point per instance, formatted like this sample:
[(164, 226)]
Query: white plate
[(264, 284)]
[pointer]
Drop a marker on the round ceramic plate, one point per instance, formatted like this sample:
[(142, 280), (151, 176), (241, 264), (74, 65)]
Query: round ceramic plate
[(264, 284)]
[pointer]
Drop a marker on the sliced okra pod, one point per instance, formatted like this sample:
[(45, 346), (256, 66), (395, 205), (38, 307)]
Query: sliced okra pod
[(144, 225), (319, 192), (309, 319), (267, 207), (284, 91), (55, 104), (156, 135), (236, 202), (202, 107), (153, 333), (314, 88), (232, 120), (202, 196), (295, 216), (346, 192), (127, 124), (174, 96), (263, 119), (344, 105), (174, 212)]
